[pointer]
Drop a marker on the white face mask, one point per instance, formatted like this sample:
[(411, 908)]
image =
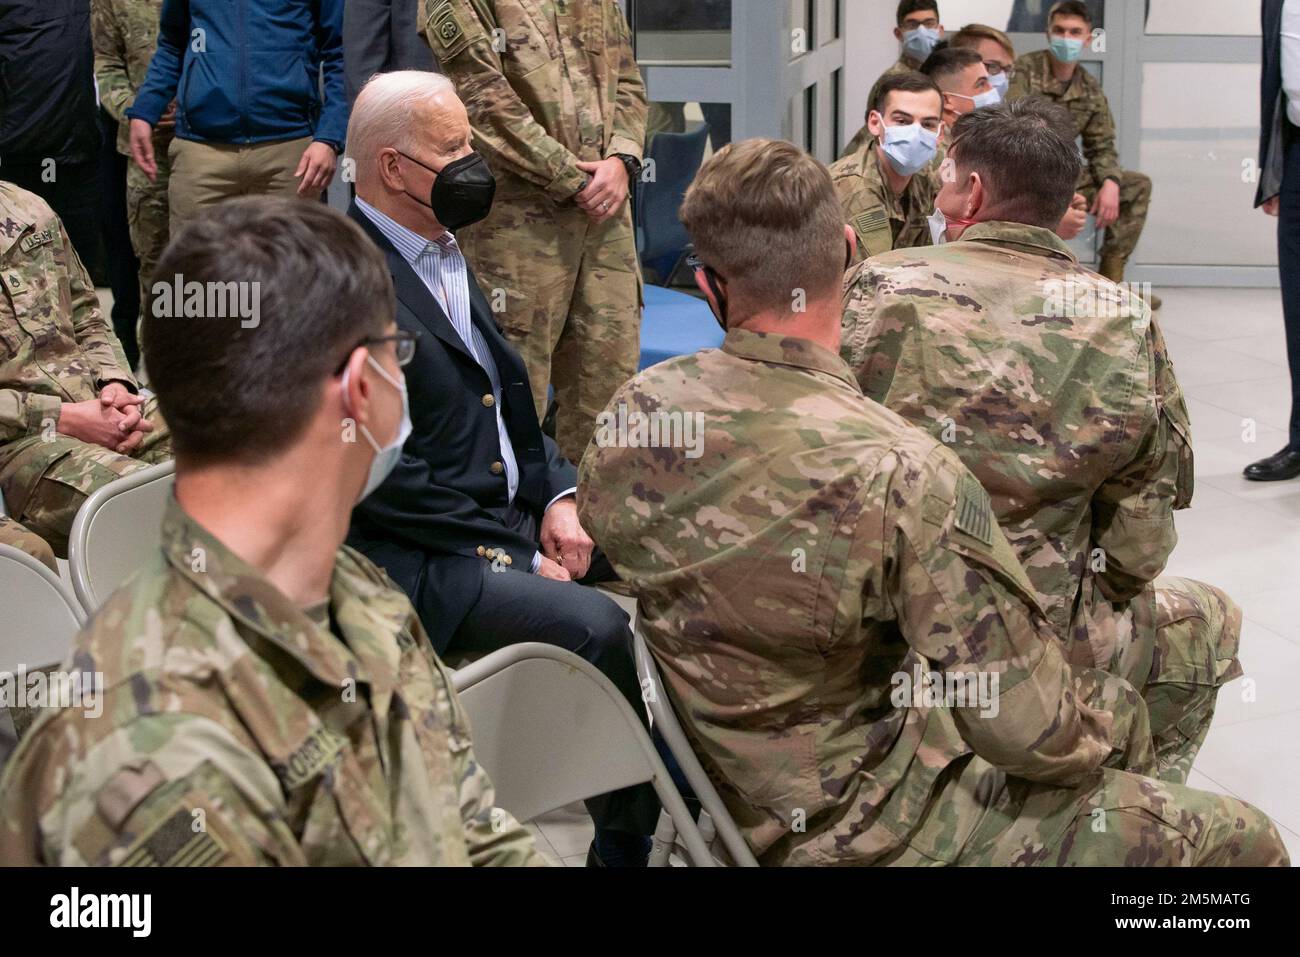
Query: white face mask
[(981, 100), (386, 457), (938, 226), (1001, 83), (909, 148)]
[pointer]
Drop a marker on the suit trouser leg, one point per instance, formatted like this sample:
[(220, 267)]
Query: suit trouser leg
[(1288, 254), (515, 606)]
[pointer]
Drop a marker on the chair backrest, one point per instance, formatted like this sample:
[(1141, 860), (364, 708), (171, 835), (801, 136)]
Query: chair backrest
[(40, 617), (550, 729), (670, 729), (677, 158), (116, 530)]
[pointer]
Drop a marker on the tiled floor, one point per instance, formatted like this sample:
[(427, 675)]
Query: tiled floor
[(1230, 355)]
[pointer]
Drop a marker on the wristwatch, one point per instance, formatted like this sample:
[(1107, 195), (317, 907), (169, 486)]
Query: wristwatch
[(632, 164)]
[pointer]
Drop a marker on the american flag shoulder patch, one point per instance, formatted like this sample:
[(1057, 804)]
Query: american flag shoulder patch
[(874, 231), (174, 842), (974, 511)]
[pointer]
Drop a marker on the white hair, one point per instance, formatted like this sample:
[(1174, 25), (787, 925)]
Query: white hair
[(384, 113)]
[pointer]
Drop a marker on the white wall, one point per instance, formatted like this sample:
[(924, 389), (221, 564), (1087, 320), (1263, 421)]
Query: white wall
[(869, 50)]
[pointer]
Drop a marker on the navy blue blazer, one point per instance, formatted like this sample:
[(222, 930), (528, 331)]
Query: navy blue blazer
[(1272, 105), (447, 497)]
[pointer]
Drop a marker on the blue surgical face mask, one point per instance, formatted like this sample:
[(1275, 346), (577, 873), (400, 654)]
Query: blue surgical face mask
[(1001, 83), (918, 44), (1066, 49), (387, 456), (909, 148), (981, 100)]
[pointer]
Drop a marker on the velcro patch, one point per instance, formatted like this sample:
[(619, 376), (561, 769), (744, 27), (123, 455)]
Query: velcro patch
[(29, 243), (174, 842), (874, 231), (310, 758), (974, 510), (445, 29)]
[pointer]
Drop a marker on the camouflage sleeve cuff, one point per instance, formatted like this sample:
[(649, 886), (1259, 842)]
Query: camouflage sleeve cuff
[(568, 184), (621, 144), (41, 408), (109, 374)]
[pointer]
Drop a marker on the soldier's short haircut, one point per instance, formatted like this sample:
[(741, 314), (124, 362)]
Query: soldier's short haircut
[(970, 36), (903, 83), (764, 215), (1070, 8), (1025, 152), (908, 7), (234, 391), (947, 61)]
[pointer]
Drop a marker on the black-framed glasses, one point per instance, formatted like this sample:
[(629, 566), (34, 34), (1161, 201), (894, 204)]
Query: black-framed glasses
[(404, 344), (930, 24), (994, 68)]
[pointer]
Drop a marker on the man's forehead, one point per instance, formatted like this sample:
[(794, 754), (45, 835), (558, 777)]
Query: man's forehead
[(920, 16), (1069, 21), (921, 104)]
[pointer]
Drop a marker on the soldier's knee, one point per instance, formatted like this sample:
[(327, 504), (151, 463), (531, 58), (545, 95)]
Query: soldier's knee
[(1137, 185), (1244, 837)]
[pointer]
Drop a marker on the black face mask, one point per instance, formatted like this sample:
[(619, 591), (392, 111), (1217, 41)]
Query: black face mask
[(462, 191)]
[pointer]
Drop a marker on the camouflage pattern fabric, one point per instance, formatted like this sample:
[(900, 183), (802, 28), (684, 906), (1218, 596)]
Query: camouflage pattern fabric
[(16, 536), (1087, 104), (549, 84), (808, 552), (239, 729), (882, 219), (58, 348), (1054, 387), (125, 35)]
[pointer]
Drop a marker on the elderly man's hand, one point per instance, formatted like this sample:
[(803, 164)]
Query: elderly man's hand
[(1272, 206), (564, 540)]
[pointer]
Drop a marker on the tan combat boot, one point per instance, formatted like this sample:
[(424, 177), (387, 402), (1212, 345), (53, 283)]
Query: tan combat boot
[(1112, 267)]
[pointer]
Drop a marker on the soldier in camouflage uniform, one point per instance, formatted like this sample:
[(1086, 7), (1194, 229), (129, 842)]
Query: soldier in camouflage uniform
[(1054, 387), (268, 696), (70, 418), (917, 32), (884, 216), (1043, 74), (814, 549), (559, 112), (126, 34), (15, 536)]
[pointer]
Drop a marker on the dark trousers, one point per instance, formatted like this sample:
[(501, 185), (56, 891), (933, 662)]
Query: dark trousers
[(515, 606), (1288, 255), (123, 267)]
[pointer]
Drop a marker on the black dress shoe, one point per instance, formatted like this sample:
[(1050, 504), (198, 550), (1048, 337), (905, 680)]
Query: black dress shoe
[(1276, 468)]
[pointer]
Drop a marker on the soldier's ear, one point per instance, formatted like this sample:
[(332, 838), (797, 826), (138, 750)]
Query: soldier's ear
[(977, 195)]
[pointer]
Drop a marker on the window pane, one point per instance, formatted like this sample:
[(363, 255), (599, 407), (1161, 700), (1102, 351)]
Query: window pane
[(1199, 151), (683, 32), (1202, 18)]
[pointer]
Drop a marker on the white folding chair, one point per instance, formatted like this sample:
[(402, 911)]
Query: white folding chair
[(727, 842), (116, 530), (40, 622), (550, 729)]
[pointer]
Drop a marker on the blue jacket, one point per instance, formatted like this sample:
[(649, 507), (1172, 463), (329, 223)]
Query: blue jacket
[(245, 71)]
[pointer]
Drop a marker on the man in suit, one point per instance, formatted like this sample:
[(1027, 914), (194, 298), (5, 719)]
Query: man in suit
[(1279, 195), (478, 521)]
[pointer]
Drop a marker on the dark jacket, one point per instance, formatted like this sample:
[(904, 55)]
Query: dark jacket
[(1272, 106), (257, 78), (445, 501), (47, 82), (380, 36)]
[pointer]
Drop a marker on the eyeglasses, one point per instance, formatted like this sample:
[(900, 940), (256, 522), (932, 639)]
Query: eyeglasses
[(404, 344), (930, 24), (996, 68)]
